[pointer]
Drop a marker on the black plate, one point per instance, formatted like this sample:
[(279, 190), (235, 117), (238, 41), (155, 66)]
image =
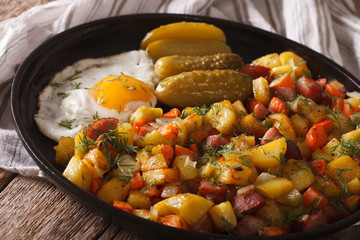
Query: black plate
[(114, 35)]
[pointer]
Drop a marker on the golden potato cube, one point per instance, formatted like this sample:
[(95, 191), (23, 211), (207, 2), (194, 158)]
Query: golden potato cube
[(242, 142), (143, 213), (300, 125), (280, 70), (305, 150), (114, 189), (239, 108), (354, 186), (270, 211), (64, 150), (333, 148), (98, 161), (343, 169), (138, 199), (299, 173), (152, 138), (149, 161), (318, 153), (326, 186), (161, 176), (268, 157), (291, 58), (182, 136), (252, 126), (274, 188), (195, 123), (351, 136), (283, 123), (208, 169), (146, 114), (312, 111), (352, 203), (270, 60), (78, 173), (293, 198), (261, 90), (199, 136), (186, 166), (232, 172), (190, 207), (222, 118), (82, 144), (223, 216), (126, 132)]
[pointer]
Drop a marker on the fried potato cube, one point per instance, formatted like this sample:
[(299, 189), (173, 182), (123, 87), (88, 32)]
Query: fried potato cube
[(326, 186), (152, 138), (79, 173), (161, 176), (283, 123), (274, 188), (222, 117), (293, 198), (114, 189), (232, 172), (343, 169), (98, 160), (138, 199), (261, 90), (299, 173), (146, 114), (354, 186), (223, 216), (64, 150), (126, 132), (186, 166)]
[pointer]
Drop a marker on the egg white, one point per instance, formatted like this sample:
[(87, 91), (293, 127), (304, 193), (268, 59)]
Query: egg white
[(67, 99)]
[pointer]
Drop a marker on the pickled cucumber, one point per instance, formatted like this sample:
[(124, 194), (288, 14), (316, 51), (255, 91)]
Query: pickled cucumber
[(184, 30), (172, 65), (169, 47), (201, 87)]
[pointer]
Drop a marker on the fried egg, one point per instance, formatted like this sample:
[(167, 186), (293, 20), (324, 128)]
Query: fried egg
[(112, 86)]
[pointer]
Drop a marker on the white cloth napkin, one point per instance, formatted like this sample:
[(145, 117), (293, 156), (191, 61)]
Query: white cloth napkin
[(330, 27)]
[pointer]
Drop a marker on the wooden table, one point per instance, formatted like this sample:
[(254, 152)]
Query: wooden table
[(33, 208)]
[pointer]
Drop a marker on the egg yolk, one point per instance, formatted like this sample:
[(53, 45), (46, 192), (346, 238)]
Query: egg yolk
[(115, 92)]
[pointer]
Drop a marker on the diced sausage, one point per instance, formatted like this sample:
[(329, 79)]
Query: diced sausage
[(212, 192), (215, 141), (293, 151), (325, 99), (333, 215), (145, 129), (247, 202), (256, 71), (282, 92), (249, 225), (309, 88), (312, 221), (271, 134), (101, 126), (256, 107), (204, 224)]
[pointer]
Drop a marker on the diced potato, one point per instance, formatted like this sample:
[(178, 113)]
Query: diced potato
[(271, 60), (320, 154), (98, 160), (354, 186), (300, 125), (143, 213), (199, 136), (190, 207), (351, 136), (152, 138), (352, 203), (223, 216), (64, 150), (151, 160), (208, 169), (239, 108), (114, 189), (78, 173), (312, 111), (242, 142), (138, 199), (195, 123), (282, 122), (268, 157), (126, 132), (333, 148), (299, 173), (146, 114), (82, 144), (274, 188), (291, 58), (231, 171), (280, 70), (293, 198), (343, 169), (304, 148), (261, 90), (182, 137), (271, 212), (222, 118), (326, 186), (341, 123), (186, 166), (126, 165), (161, 176), (252, 126)]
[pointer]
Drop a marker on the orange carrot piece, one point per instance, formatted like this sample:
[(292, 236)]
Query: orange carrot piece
[(95, 185), (170, 131), (180, 150), (174, 221), (277, 105), (317, 137), (319, 166), (334, 91), (151, 191), (314, 199), (327, 124), (168, 152), (338, 103), (137, 182), (273, 230), (123, 206), (173, 113), (349, 110), (283, 81), (322, 82)]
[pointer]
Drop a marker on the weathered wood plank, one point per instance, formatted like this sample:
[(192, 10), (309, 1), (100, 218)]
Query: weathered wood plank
[(5, 178), (33, 208)]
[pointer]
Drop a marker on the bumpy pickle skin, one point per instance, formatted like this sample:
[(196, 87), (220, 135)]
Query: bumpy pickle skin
[(169, 47), (184, 30), (172, 65), (201, 87)]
